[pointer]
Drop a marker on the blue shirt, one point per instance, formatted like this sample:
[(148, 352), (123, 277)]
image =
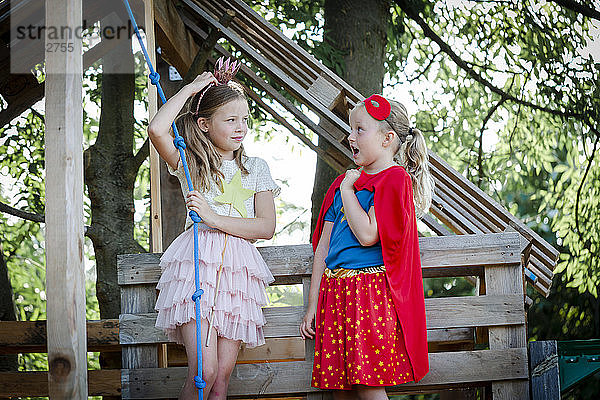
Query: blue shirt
[(345, 251)]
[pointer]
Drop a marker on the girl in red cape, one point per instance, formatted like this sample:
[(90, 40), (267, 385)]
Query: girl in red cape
[(366, 307)]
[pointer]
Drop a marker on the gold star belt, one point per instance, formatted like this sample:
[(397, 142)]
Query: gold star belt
[(347, 273)]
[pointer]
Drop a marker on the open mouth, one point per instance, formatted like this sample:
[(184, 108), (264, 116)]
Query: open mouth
[(354, 150), (238, 138)]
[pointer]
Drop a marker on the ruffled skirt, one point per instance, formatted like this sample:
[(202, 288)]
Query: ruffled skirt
[(241, 295)]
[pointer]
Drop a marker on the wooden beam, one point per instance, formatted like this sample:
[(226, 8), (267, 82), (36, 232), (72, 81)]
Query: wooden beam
[(502, 281), (155, 206), (30, 336), (178, 45), (442, 313), (456, 255), (65, 272), (106, 382), (283, 378)]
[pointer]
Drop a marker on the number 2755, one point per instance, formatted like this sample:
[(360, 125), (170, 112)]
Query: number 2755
[(59, 47)]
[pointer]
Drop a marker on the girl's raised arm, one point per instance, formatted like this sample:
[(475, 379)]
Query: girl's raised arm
[(160, 126)]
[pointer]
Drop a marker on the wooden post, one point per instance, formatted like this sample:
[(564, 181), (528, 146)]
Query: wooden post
[(156, 225), (155, 204), (65, 274), (507, 280), (543, 367)]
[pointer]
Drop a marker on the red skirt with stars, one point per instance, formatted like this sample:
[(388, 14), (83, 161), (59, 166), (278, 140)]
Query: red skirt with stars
[(359, 339)]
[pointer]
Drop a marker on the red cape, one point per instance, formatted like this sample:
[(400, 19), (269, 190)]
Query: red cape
[(397, 225)]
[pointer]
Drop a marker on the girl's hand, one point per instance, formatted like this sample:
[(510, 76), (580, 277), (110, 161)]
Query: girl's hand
[(306, 326), (348, 182), (196, 202), (201, 82)]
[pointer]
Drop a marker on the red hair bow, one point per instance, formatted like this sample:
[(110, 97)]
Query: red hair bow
[(378, 107)]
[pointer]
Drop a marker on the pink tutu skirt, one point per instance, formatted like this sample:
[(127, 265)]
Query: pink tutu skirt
[(241, 294)]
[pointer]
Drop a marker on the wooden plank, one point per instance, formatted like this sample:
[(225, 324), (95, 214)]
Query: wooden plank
[(442, 313), (139, 328), (30, 336), (274, 34), (432, 224), (294, 377), (325, 92), (106, 382), (446, 218), (438, 337), (65, 272), (474, 311), (259, 37), (500, 281), (440, 256), (274, 350), (470, 213), (178, 46), (155, 206), (543, 364), (138, 299), (445, 204)]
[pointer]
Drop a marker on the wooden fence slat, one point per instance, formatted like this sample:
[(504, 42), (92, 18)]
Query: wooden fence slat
[(499, 281), (543, 363), (140, 329), (30, 336), (106, 382), (474, 311), (138, 299), (448, 312), (438, 256), (294, 376)]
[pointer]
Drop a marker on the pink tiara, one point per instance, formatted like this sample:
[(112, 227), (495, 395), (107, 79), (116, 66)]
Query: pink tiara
[(225, 70)]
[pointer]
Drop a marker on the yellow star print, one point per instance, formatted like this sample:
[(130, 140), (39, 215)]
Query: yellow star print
[(235, 194)]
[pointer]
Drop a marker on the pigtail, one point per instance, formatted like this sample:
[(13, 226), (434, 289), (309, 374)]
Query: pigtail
[(413, 155)]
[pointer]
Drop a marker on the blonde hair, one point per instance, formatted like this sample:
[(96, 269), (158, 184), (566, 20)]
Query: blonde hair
[(412, 154), (203, 158)]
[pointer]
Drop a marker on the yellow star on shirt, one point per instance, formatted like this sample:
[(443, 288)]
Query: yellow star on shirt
[(235, 194)]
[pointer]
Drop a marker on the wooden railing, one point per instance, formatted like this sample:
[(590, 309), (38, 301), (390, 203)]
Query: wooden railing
[(282, 367)]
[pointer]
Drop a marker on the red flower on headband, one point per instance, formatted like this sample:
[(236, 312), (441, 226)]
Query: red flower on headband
[(378, 107)]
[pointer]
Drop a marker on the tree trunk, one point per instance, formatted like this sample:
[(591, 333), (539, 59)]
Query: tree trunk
[(363, 43), (110, 173), (8, 362)]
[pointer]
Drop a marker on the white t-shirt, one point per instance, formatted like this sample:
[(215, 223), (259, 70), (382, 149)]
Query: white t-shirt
[(258, 179)]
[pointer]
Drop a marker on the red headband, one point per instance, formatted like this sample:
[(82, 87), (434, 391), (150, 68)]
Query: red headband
[(378, 107)]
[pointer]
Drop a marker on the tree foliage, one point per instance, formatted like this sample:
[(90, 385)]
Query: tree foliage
[(507, 92)]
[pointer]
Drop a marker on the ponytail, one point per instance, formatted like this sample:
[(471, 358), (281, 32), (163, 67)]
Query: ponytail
[(414, 157), (412, 154)]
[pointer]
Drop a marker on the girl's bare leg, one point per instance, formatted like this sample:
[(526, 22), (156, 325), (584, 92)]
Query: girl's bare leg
[(227, 352), (209, 360)]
